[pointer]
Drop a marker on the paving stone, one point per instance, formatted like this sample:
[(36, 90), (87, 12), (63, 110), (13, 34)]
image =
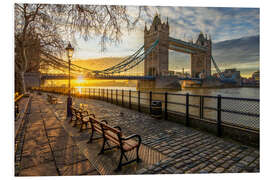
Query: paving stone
[(219, 170), (167, 151), (179, 165), (171, 170), (46, 169), (172, 154), (79, 168), (234, 169), (157, 169), (248, 159), (179, 171), (34, 158)]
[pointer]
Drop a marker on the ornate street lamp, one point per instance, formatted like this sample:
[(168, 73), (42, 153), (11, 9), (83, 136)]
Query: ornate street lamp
[(69, 51)]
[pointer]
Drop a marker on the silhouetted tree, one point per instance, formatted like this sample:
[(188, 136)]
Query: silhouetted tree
[(43, 29)]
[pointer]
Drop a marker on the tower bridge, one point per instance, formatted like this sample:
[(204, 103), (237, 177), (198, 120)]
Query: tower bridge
[(157, 62), (155, 56)]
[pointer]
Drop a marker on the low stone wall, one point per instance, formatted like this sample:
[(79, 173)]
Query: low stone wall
[(245, 136)]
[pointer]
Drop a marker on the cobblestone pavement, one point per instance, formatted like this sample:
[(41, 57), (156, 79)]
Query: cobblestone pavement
[(47, 150), (187, 150)]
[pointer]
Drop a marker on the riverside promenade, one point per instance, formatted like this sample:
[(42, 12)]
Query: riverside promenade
[(51, 146)]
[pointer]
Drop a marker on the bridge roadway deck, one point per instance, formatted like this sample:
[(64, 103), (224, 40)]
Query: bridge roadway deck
[(172, 148)]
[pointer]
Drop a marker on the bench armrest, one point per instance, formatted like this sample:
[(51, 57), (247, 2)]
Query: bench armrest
[(106, 122), (92, 115), (88, 113), (133, 136), (117, 127)]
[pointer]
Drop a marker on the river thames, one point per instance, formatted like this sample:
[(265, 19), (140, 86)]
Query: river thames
[(242, 92)]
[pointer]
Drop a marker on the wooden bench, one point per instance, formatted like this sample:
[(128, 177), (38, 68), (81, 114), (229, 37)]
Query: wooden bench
[(115, 137), (74, 112), (80, 117), (52, 99)]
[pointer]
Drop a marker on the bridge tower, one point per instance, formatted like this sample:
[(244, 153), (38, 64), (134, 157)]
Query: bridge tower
[(201, 61), (156, 63)]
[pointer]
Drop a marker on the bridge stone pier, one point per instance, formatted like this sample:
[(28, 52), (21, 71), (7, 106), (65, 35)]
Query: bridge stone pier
[(157, 62)]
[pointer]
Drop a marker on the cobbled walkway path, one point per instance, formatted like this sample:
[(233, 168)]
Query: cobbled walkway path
[(47, 149), (187, 150)]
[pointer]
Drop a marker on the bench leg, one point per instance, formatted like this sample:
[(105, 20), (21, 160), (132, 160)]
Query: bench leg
[(119, 167), (84, 123), (103, 146), (81, 127), (91, 136)]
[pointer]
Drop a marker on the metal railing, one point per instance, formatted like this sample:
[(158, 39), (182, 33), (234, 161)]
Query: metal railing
[(17, 97), (237, 112)]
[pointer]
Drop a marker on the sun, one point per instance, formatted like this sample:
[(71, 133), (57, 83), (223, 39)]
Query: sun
[(80, 79)]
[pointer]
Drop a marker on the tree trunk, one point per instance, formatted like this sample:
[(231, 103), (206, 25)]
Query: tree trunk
[(25, 64), (19, 82)]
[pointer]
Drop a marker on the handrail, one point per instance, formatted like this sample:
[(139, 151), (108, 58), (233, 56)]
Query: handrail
[(19, 97)]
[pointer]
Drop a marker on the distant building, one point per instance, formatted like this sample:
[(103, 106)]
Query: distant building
[(231, 73), (182, 74)]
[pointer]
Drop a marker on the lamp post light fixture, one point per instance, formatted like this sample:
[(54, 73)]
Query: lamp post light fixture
[(69, 51)]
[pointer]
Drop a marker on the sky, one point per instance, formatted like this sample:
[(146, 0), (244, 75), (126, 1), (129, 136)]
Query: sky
[(186, 23)]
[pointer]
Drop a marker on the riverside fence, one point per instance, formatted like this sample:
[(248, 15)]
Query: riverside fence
[(238, 118)]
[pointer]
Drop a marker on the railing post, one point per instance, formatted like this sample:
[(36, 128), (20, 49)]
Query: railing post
[(107, 95), (202, 107), (122, 97), (129, 104), (116, 96), (166, 106), (91, 93), (139, 101), (219, 133), (111, 96), (187, 109), (150, 102), (99, 97), (200, 112)]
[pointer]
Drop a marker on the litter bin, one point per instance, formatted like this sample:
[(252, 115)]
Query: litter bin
[(156, 109)]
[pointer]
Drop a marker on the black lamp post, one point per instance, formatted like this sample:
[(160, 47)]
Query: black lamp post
[(69, 50)]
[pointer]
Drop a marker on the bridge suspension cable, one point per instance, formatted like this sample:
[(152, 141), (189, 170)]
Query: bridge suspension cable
[(125, 65), (125, 60), (136, 61), (217, 69)]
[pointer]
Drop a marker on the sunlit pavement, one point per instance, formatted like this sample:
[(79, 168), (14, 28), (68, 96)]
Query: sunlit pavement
[(47, 150), (186, 150)]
